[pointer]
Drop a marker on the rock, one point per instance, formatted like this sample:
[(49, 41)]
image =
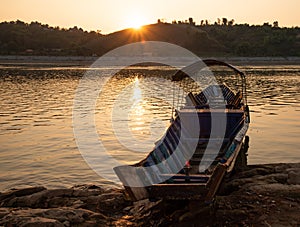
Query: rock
[(66, 197), (25, 218), (86, 192), (38, 221), (252, 171), (3, 212), (52, 217), (34, 200), (281, 178), (40, 199), (111, 202), (89, 190), (19, 193), (201, 211), (277, 189), (294, 176), (78, 204), (261, 195)]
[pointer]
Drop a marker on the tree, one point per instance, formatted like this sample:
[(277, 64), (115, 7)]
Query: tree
[(243, 49), (231, 22), (191, 21), (224, 21), (239, 40), (275, 24), (20, 22)]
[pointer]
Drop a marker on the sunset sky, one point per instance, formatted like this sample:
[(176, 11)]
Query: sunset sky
[(110, 16)]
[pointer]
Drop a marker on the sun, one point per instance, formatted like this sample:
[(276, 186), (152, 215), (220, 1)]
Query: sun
[(135, 21)]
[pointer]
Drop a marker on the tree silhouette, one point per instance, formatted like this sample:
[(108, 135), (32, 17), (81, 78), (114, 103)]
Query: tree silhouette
[(224, 21), (231, 22), (19, 38), (275, 24), (191, 21)]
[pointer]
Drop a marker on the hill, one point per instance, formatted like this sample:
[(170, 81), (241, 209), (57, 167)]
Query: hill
[(190, 37), (19, 38)]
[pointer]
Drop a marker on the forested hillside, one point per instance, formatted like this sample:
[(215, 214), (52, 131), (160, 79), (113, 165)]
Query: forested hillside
[(218, 39)]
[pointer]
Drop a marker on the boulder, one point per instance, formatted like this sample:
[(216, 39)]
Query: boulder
[(260, 195), (294, 176)]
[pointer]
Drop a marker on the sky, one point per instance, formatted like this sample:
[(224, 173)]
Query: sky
[(114, 15)]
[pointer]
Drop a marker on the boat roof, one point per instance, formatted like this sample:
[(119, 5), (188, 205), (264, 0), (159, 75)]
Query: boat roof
[(195, 67)]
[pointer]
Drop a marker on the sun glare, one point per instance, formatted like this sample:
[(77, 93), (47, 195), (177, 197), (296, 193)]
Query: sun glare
[(135, 21)]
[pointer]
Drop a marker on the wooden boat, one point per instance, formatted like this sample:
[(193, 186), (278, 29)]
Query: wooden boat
[(190, 161)]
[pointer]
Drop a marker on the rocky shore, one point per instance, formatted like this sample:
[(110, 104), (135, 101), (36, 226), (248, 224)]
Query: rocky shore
[(260, 195)]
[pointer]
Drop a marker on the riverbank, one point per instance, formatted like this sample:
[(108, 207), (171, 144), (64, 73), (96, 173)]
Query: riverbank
[(258, 195), (88, 60)]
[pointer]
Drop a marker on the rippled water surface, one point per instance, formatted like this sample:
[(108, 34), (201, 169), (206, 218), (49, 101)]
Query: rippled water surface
[(132, 111)]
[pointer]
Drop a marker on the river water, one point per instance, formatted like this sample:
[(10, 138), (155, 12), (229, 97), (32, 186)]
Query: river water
[(37, 142)]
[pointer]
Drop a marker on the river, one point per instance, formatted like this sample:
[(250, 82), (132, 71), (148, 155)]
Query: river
[(37, 142)]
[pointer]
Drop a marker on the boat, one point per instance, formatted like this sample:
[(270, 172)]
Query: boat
[(199, 147)]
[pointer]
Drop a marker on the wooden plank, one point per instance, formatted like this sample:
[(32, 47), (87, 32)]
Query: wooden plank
[(129, 178), (215, 181)]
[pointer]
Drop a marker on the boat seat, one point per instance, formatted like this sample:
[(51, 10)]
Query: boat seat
[(211, 91)]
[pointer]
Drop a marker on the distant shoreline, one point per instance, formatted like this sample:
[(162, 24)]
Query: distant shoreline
[(88, 60)]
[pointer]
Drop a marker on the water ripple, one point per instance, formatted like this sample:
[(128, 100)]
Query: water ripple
[(36, 134)]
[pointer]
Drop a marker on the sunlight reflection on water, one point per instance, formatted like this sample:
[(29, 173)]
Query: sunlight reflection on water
[(36, 135)]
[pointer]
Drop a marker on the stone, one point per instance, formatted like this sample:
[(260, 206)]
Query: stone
[(19, 193), (294, 177), (38, 221), (52, 217), (3, 212), (261, 195)]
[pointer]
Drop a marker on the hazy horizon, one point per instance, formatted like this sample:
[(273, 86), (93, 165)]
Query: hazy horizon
[(111, 16)]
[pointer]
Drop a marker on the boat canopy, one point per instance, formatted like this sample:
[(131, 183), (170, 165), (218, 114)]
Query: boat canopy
[(194, 68)]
